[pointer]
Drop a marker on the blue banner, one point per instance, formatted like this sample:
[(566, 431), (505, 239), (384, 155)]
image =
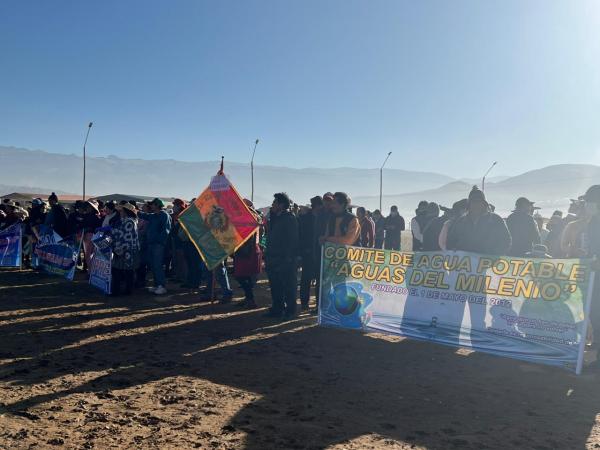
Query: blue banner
[(101, 262), (11, 246), (56, 255), (525, 308)]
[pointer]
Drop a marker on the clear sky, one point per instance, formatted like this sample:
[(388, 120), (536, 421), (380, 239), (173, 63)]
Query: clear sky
[(447, 86)]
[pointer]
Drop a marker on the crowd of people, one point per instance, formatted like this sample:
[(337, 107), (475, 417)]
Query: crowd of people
[(148, 238)]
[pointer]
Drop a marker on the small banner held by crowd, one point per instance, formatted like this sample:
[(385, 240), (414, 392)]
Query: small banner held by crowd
[(11, 246), (101, 261), (218, 222), (530, 309), (56, 255)]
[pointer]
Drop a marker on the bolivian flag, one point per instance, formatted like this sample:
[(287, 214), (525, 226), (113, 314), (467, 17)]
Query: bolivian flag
[(218, 222)]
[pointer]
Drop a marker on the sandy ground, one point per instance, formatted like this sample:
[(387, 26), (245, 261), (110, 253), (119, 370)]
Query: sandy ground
[(79, 370)]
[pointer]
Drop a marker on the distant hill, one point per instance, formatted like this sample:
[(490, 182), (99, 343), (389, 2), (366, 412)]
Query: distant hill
[(8, 189), (550, 187), (171, 178)]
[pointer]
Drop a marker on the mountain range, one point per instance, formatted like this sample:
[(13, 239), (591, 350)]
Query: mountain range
[(38, 171)]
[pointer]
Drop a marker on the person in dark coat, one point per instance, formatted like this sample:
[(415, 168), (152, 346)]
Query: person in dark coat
[(431, 233), (306, 251), (522, 227), (479, 231), (418, 224), (555, 226), (57, 217), (379, 222), (280, 257), (394, 226), (321, 210)]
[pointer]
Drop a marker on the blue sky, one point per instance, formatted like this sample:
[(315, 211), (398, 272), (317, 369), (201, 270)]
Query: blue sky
[(447, 86)]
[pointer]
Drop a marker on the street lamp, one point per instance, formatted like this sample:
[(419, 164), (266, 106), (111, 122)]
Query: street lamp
[(84, 144), (252, 171), (486, 174), (381, 181)]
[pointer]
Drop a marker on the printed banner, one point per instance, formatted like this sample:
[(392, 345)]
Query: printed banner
[(56, 255), (218, 222), (101, 262), (11, 246), (529, 309)]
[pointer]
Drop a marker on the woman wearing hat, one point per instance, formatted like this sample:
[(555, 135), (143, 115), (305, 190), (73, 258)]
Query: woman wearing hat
[(125, 248)]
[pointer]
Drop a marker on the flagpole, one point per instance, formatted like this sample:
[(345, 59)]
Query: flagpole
[(252, 171)]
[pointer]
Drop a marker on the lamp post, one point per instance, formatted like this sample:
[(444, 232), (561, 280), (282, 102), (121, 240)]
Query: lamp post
[(84, 144), (381, 181), (486, 174), (252, 171)]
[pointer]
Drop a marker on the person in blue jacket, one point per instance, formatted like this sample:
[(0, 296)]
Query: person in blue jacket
[(157, 234)]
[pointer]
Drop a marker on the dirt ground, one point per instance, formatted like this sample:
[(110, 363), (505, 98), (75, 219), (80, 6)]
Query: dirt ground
[(80, 370)]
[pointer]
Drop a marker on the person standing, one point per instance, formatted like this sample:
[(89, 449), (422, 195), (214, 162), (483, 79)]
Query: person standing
[(247, 263), (306, 239), (418, 224), (522, 227), (555, 226), (157, 234), (394, 226), (125, 248), (343, 227), (379, 222), (90, 220), (280, 257), (591, 249), (480, 230), (57, 217), (458, 209), (367, 229)]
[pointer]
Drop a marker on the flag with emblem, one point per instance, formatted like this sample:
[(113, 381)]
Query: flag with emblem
[(218, 222)]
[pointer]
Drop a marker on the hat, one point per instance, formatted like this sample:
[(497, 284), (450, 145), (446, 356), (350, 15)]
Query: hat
[(37, 202), (178, 201), (523, 203), (592, 195), (557, 213), (158, 202), (128, 206), (476, 194), (93, 204), (328, 197), (248, 203)]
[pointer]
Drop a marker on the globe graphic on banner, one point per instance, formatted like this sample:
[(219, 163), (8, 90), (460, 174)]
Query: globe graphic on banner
[(345, 299)]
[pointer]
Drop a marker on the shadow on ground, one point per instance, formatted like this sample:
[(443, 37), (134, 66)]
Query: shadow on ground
[(312, 387)]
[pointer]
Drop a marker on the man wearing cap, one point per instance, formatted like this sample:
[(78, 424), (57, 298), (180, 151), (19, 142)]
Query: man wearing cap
[(479, 231), (280, 257), (522, 227), (157, 234)]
